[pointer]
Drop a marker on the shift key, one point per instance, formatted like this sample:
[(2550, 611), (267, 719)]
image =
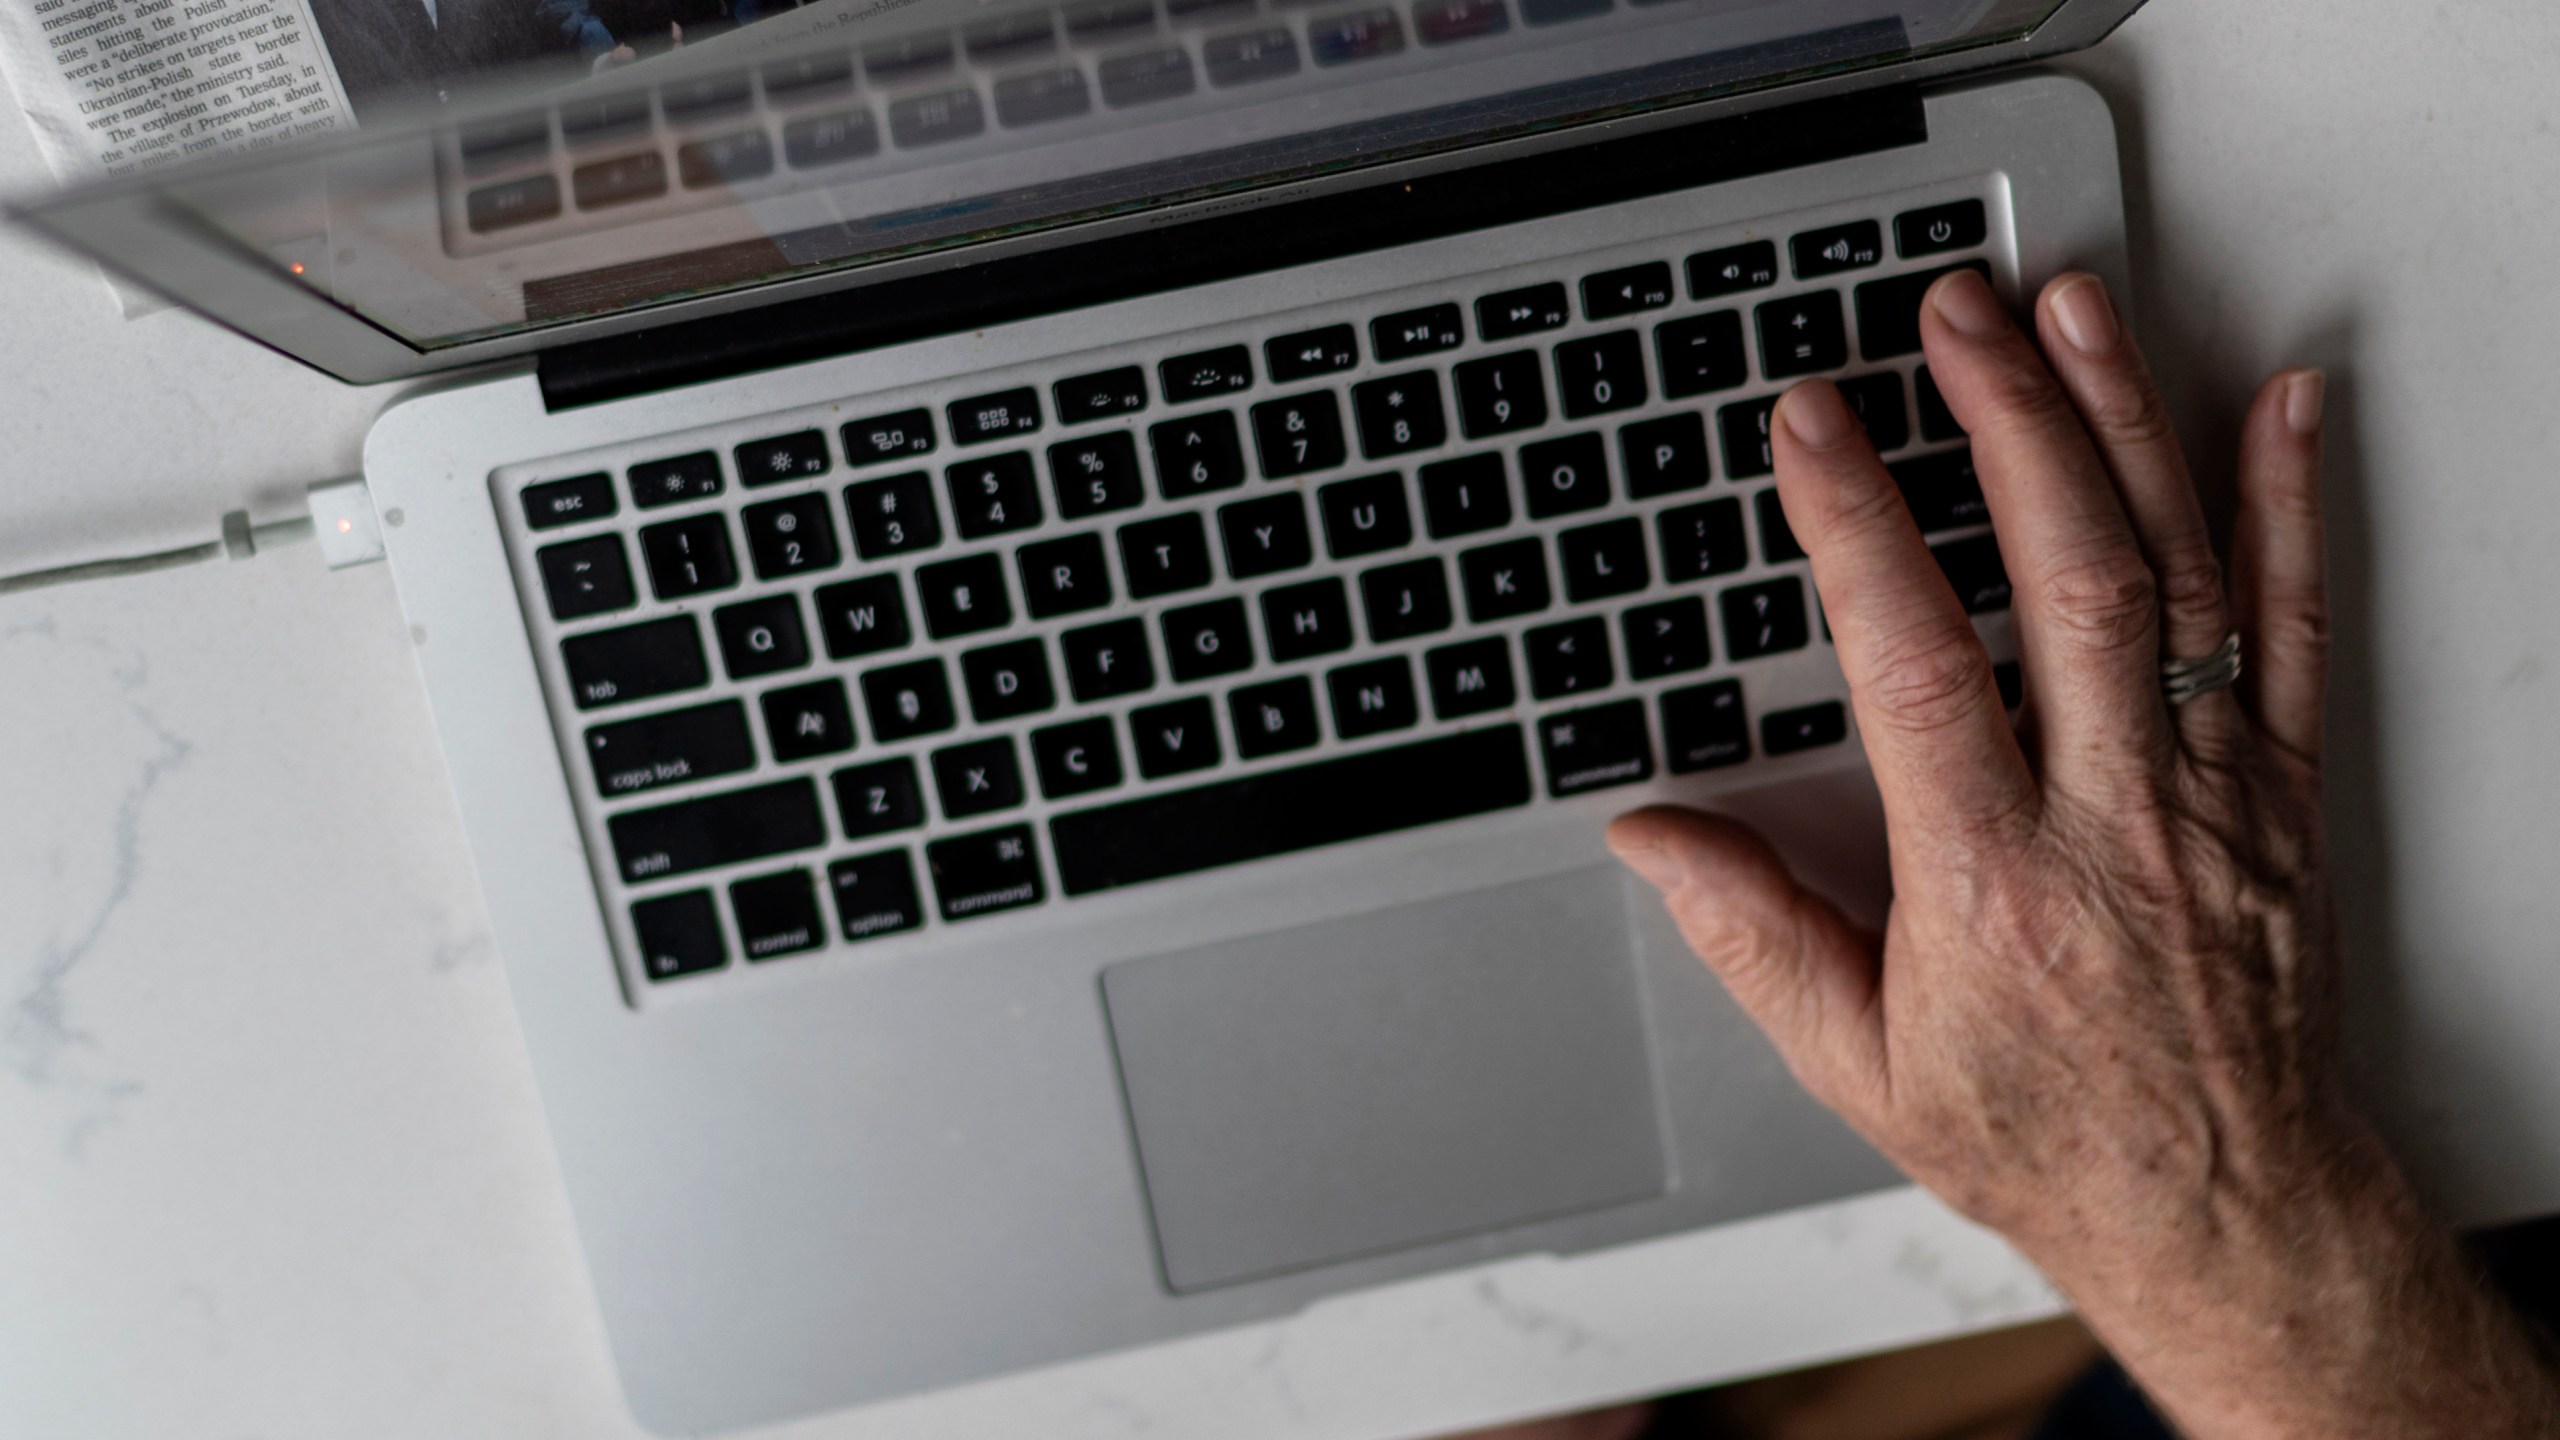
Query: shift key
[(718, 830), (635, 662)]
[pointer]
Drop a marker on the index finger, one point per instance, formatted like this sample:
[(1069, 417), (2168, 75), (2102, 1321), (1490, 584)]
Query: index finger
[(1937, 733)]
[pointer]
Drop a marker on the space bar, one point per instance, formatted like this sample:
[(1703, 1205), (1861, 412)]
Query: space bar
[(1279, 811)]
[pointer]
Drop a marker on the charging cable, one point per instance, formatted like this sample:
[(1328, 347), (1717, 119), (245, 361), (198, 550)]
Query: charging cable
[(341, 519)]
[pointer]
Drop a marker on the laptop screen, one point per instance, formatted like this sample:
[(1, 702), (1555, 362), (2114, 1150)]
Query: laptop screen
[(691, 155)]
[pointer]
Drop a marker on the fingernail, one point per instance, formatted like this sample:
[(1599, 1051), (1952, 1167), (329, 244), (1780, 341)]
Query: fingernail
[(2304, 400), (1659, 868), (2086, 317), (1964, 300), (1816, 415)]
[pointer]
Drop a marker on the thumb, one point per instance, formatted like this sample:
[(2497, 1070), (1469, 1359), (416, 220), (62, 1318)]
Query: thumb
[(1791, 960)]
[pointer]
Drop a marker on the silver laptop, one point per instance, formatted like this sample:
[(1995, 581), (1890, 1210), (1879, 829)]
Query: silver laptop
[(1036, 612)]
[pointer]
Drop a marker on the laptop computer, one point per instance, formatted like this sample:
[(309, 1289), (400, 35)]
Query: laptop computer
[(1035, 613)]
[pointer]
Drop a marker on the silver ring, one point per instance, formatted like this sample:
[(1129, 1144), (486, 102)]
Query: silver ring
[(2184, 680)]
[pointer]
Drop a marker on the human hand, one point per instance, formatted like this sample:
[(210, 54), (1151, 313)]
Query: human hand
[(2102, 1017)]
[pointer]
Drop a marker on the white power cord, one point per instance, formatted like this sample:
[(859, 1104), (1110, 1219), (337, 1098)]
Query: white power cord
[(341, 518)]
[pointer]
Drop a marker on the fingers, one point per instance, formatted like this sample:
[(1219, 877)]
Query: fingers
[(2104, 374), (1801, 971), (2088, 609), (2280, 573), (1936, 731)]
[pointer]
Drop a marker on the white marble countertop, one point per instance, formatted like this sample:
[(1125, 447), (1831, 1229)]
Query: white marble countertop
[(270, 1160)]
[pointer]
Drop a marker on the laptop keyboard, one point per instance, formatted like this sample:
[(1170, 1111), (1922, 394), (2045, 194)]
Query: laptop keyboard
[(1293, 586)]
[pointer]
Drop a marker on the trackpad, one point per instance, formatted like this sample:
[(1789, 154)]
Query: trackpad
[(1368, 1084)]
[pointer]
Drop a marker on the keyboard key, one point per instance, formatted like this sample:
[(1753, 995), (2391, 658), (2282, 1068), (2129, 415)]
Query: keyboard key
[(1664, 456), (1701, 355), (1937, 422), (1096, 474), (679, 935), (1365, 516), (1466, 496), (1309, 353), (1000, 416), (505, 140), (1600, 374), (1522, 312), (1556, 12), (1306, 620), (893, 516), (883, 438), (1745, 428), (1445, 22), (875, 895), (1406, 600), (1107, 661), (1974, 568), (1703, 727), (1836, 248), (1702, 540), (1146, 76), (1175, 738), (1092, 397), (618, 181), (1942, 491), (1205, 640), (931, 119), (777, 915), (1064, 576), (636, 662), (1603, 560), (1040, 96), (1265, 536), (1010, 37), (1613, 293), (1408, 333), (689, 556), (993, 495), (1342, 39), (1197, 454), (790, 537), (1802, 335), (831, 139), (1275, 718), (586, 577), (964, 596), (1242, 59), (1763, 619), (1076, 758), (1889, 310), (1877, 402), (1284, 811), (862, 617), (676, 748), (1787, 732), (805, 721), (761, 636), (724, 160), (1469, 678), (1596, 748), (1940, 228), (978, 778), (569, 502), (1165, 555), (802, 78), (1733, 270), (1666, 639), (1207, 374), (704, 96), (716, 830), (1500, 393), (1297, 435), (586, 120), (1569, 659), (1504, 580), (907, 57), (908, 700), (1373, 698), (672, 482), (877, 798), (1104, 19), (1399, 413), (1565, 475), (983, 873), (1007, 681), (1777, 538)]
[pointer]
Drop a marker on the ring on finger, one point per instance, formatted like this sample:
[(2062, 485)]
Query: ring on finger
[(2185, 680)]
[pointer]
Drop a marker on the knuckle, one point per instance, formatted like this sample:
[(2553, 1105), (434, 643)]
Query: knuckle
[(2026, 400), (2126, 412), (2192, 584), (2299, 634), (1929, 681), (2105, 596)]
